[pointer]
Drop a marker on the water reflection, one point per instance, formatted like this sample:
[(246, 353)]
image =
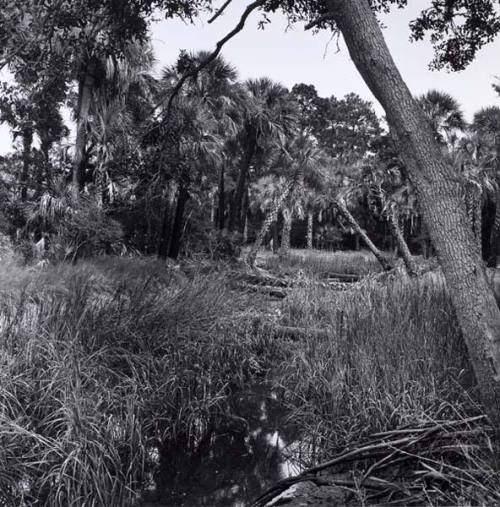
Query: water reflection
[(235, 465)]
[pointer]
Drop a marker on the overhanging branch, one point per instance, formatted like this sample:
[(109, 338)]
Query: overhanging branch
[(219, 11), (215, 53), (324, 17)]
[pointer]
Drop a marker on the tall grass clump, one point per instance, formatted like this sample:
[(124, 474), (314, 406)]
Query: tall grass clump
[(103, 366), (394, 356)]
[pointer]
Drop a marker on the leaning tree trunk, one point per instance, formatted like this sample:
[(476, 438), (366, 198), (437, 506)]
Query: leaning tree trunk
[(241, 185), (286, 232), (473, 207), (27, 142), (85, 91), (268, 221), (495, 231), (439, 194), (341, 206), (495, 234), (397, 233), (310, 225), (177, 228)]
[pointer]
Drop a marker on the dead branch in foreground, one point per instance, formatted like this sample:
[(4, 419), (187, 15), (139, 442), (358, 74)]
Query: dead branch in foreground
[(436, 462)]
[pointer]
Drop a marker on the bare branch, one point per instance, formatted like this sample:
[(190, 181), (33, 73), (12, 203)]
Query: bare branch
[(220, 11), (215, 53)]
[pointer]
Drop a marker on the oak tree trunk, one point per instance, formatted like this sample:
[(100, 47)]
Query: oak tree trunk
[(439, 194), (495, 235)]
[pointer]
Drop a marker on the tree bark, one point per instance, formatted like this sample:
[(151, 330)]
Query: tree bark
[(236, 205), (495, 231), (176, 237), (222, 205), (495, 235), (341, 206), (85, 92), (439, 193), (310, 225), (27, 142)]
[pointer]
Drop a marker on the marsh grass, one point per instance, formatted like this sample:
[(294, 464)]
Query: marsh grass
[(102, 365), (110, 367), (394, 357)]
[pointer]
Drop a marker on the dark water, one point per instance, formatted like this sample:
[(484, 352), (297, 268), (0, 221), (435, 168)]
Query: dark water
[(238, 464)]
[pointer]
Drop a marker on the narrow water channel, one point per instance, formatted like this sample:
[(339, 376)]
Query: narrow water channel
[(239, 465)]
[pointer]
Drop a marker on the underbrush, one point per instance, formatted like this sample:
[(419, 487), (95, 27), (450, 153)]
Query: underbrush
[(102, 366), (323, 263)]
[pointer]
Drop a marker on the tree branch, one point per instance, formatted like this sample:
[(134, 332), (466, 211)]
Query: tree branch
[(324, 17), (219, 12), (215, 53)]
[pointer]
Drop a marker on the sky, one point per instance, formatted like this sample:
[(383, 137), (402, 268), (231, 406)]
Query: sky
[(290, 55)]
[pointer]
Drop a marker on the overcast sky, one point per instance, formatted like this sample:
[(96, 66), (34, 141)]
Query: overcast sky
[(290, 55)]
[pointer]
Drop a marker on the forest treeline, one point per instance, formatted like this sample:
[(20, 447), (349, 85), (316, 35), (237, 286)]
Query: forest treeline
[(227, 163)]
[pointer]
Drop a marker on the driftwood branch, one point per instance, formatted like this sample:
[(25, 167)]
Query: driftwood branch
[(425, 445)]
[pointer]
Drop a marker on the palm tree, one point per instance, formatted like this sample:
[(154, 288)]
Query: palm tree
[(486, 124), (269, 116), (299, 165), (445, 115)]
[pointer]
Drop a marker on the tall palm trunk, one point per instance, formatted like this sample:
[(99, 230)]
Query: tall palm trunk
[(275, 237), (341, 206), (177, 228), (27, 142), (164, 236), (244, 211), (392, 217), (397, 233), (286, 232), (85, 92), (236, 205), (44, 171), (310, 231), (270, 219), (439, 194), (221, 208)]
